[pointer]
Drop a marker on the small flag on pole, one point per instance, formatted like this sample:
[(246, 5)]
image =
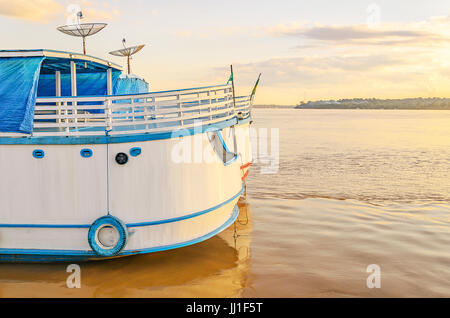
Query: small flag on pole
[(232, 85), (256, 85), (231, 77)]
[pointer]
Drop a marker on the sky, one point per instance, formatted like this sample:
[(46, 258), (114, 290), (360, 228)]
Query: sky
[(305, 50)]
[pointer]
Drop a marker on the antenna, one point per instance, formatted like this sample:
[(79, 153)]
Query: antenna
[(128, 52), (82, 29)]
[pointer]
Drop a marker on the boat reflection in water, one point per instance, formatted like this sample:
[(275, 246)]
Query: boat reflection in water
[(217, 267)]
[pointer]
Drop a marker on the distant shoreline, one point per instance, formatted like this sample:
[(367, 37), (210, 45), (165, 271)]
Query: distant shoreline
[(274, 106), (371, 103), (338, 108)]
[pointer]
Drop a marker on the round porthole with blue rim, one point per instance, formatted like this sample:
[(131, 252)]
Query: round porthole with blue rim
[(86, 153), (38, 153), (108, 236), (136, 151)]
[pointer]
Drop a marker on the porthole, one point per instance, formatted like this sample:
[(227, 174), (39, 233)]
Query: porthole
[(136, 151), (86, 153), (121, 158), (38, 154)]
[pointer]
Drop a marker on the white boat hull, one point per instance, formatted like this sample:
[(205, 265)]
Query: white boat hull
[(49, 204)]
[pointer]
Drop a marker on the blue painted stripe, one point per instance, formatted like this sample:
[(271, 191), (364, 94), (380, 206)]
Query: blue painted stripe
[(46, 226), (37, 255), (224, 145), (230, 221), (181, 218), (188, 216), (84, 140), (45, 252)]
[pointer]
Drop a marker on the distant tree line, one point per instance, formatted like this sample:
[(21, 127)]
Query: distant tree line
[(374, 103)]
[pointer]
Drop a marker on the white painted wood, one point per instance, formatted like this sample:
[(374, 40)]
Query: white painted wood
[(109, 83), (73, 78), (156, 185), (73, 83), (154, 236), (62, 187), (58, 93)]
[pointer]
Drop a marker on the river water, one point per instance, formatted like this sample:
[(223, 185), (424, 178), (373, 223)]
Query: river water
[(352, 188)]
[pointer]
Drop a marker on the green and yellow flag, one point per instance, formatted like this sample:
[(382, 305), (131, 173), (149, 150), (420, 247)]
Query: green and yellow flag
[(256, 85)]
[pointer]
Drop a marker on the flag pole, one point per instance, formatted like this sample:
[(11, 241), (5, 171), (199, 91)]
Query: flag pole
[(232, 85), (254, 88), (252, 96)]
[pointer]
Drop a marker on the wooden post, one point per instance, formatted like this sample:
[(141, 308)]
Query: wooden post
[(73, 78), (109, 91), (109, 87), (58, 93), (73, 82)]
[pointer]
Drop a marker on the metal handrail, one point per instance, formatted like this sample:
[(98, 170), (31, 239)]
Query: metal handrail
[(136, 113)]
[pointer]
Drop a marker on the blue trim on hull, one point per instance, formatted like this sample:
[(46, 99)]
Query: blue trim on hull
[(45, 256), (191, 242), (47, 226), (85, 140), (189, 216), (140, 224)]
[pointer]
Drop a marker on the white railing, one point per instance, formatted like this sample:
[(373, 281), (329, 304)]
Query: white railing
[(243, 106), (141, 113)]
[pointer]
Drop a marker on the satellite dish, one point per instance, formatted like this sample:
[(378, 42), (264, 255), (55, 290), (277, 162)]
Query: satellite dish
[(82, 30), (127, 52)]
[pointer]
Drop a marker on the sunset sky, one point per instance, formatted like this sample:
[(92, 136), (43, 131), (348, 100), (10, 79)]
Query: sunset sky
[(306, 50)]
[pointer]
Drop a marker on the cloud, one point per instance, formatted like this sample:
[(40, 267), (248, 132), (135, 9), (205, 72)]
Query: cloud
[(432, 32), (46, 10), (32, 10), (342, 61), (315, 70), (391, 74)]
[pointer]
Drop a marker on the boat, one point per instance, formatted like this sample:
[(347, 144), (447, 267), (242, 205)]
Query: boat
[(96, 166)]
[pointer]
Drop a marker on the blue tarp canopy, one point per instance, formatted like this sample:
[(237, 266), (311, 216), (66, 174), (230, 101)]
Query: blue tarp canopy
[(91, 84), (130, 85), (18, 89), (22, 79)]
